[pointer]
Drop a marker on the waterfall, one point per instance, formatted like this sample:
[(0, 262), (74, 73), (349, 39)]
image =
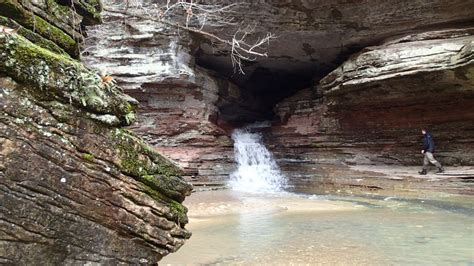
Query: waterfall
[(257, 171)]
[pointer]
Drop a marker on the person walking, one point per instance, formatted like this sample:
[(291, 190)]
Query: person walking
[(428, 149)]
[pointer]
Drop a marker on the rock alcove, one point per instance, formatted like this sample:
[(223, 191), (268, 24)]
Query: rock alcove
[(344, 83)]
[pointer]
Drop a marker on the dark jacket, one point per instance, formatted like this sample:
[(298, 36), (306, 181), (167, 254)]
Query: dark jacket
[(428, 142)]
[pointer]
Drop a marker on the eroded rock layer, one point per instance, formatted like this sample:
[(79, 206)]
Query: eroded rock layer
[(178, 108), (371, 109), (316, 36), (75, 187), (367, 111)]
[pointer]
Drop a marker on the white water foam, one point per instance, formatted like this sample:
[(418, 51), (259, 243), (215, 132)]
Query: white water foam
[(257, 170)]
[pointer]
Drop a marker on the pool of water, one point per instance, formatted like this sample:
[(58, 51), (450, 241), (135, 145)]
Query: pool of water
[(290, 228)]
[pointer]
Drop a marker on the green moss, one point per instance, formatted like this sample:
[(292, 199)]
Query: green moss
[(60, 11), (12, 9), (30, 63), (88, 157), (316, 145), (90, 10), (138, 159), (169, 186), (179, 212), (130, 118), (131, 164), (163, 166), (131, 161), (61, 77), (31, 36)]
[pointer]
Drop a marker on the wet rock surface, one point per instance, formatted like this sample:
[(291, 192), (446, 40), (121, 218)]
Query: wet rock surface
[(75, 187)]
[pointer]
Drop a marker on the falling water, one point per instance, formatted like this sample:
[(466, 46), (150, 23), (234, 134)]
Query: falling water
[(257, 170)]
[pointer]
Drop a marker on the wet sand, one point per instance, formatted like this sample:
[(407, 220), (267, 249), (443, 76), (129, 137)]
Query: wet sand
[(209, 204)]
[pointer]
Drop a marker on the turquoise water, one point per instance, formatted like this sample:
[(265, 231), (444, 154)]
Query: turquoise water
[(336, 230)]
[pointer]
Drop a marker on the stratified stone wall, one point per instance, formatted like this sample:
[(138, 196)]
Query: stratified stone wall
[(178, 111), (371, 109), (185, 109), (75, 187)]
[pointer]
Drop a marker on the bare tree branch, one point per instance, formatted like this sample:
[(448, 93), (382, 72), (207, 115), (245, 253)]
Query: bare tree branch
[(196, 17)]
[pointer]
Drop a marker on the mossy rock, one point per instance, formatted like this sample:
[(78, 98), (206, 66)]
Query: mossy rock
[(32, 37), (172, 187), (88, 9), (138, 159), (177, 211), (62, 78), (62, 17), (15, 11), (87, 156)]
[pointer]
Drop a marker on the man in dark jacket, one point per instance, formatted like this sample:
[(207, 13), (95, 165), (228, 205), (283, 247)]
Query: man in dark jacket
[(428, 149)]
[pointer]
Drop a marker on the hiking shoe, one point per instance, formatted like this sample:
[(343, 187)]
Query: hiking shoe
[(422, 172), (440, 170)]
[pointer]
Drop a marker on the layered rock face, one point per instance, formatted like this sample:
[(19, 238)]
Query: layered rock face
[(178, 109), (371, 109), (75, 187), (191, 99), (316, 36)]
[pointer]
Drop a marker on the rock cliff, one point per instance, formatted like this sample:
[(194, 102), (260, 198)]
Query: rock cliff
[(179, 100), (75, 187), (345, 82), (370, 110)]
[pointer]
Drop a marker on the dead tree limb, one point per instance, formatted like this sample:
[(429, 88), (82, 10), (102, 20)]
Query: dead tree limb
[(196, 17)]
